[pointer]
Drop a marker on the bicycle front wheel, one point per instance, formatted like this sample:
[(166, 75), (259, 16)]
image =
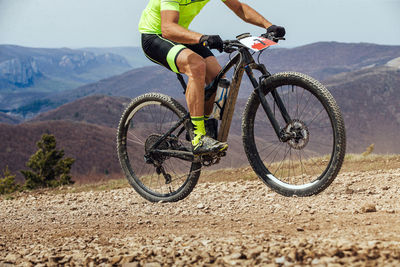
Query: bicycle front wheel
[(310, 160), (158, 177)]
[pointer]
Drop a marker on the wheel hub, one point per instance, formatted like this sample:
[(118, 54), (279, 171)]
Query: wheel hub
[(299, 133)]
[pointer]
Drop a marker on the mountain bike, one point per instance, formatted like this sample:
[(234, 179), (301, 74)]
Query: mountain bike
[(292, 129)]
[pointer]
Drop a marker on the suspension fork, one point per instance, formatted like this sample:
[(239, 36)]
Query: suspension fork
[(259, 91)]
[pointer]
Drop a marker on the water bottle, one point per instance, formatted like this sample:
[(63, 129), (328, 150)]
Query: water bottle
[(220, 98)]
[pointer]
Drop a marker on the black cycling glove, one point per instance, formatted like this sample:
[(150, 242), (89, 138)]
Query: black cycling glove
[(212, 41), (277, 31)]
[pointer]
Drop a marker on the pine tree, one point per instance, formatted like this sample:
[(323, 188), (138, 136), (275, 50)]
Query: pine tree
[(7, 182), (48, 168)]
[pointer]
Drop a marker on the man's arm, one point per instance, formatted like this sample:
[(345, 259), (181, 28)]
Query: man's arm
[(247, 13), (171, 30)]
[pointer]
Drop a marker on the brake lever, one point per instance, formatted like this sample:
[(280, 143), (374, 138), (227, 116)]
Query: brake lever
[(271, 36)]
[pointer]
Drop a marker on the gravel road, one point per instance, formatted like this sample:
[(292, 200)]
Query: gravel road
[(355, 221)]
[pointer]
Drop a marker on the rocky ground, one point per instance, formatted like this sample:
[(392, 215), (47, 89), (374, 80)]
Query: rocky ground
[(354, 222)]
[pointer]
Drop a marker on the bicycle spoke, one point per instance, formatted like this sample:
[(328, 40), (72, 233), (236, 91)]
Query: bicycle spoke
[(305, 106), (137, 141), (321, 127), (293, 163), (313, 161), (286, 151), (275, 149), (321, 144), (268, 146), (316, 116), (146, 125), (302, 165)]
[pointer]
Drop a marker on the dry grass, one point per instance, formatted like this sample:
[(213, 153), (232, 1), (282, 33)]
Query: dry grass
[(352, 163), (371, 162)]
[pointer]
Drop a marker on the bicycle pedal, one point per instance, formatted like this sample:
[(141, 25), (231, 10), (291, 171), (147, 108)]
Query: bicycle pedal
[(208, 160)]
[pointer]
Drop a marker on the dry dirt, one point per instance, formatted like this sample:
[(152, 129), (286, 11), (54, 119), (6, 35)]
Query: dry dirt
[(354, 222)]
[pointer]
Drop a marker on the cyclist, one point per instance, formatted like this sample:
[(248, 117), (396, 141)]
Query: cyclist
[(166, 40)]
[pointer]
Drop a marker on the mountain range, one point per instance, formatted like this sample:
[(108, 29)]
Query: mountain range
[(319, 60), (27, 75), (365, 84)]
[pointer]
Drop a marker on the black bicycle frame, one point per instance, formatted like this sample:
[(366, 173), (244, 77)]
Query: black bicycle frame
[(245, 60), (242, 61)]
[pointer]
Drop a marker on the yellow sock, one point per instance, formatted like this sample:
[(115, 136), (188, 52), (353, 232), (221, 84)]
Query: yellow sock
[(199, 129)]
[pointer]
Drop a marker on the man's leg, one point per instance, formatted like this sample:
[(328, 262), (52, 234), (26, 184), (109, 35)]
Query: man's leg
[(212, 70), (194, 66)]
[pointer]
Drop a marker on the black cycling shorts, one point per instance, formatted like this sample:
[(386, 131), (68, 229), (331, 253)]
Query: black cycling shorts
[(165, 52)]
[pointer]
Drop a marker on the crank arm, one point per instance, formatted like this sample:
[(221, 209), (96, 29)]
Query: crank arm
[(185, 155)]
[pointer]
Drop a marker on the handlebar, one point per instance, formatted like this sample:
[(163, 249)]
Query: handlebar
[(233, 45)]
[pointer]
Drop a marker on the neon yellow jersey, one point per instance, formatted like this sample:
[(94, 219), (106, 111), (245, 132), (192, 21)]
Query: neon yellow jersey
[(150, 22)]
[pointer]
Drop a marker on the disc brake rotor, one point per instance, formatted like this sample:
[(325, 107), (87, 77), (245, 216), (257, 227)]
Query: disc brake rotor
[(299, 132)]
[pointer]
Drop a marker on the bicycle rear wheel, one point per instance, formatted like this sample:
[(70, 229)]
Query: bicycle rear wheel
[(162, 178), (307, 163)]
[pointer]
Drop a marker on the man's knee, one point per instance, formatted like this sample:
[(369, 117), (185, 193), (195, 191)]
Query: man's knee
[(198, 69), (192, 65), (213, 68)]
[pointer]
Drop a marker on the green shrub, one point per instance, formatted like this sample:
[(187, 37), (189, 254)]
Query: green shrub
[(48, 168), (7, 183)]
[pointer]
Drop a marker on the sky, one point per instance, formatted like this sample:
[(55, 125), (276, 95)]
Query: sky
[(106, 23)]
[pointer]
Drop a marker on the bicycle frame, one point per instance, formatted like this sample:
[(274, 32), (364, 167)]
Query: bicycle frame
[(243, 61)]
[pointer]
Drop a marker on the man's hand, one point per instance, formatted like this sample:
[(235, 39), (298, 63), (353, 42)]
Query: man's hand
[(277, 31), (212, 41)]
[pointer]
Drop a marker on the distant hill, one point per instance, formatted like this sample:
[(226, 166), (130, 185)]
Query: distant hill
[(4, 118), (324, 59), (45, 71), (128, 84), (92, 146), (320, 60), (368, 98), (370, 101), (134, 55), (96, 109)]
